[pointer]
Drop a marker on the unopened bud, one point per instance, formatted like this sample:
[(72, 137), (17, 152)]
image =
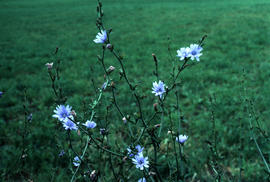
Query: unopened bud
[(56, 50), (102, 131), (112, 84), (110, 69), (124, 159), (151, 173), (93, 175), (154, 56), (73, 113), (170, 132), (157, 125), (29, 118), (49, 65), (155, 106), (24, 156), (110, 47), (62, 152), (124, 120), (128, 117), (104, 85)]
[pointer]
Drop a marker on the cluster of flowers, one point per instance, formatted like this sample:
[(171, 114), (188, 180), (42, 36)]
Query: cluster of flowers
[(142, 162), (192, 52), (138, 159), (66, 116)]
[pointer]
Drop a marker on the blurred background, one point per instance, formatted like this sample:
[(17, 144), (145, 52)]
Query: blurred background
[(235, 56)]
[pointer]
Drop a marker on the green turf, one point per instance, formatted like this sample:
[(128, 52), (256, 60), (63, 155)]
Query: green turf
[(238, 39)]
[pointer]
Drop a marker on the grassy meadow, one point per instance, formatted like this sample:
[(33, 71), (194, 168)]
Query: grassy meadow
[(235, 65)]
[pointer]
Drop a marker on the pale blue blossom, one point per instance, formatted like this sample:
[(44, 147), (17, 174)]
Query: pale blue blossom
[(101, 37), (140, 161), (142, 180), (158, 88), (69, 125), (130, 154), (183, 53), (195, 52), (62, 152), (139, 148), (76, 161), (181, 139), (62, 112), (90, 124)]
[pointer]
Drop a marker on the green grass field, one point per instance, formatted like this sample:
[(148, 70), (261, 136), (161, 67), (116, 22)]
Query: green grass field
[(238, 39)]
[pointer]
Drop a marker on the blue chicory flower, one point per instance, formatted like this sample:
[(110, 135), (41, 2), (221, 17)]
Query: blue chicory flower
[(90, 124), (101, 37), (69, 125), (139, 148), (142, 180), (140, 161), (76, 161), (62, 112), (130, 154), (183, 53), (158, 88), (181, 139), (195, 52)]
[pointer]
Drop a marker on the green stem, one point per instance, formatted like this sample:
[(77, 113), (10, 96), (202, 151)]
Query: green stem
[(86, 146)]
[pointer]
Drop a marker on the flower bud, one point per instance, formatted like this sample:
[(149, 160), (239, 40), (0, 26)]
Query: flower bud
[(181, 139), (110, 69), (128, 117), (78, 132), (102, 131), (110, 47), (157, 125), (124, 120), (24, 156), (151, 173), (93, 175), (124, 159), (73, 113), (49, 65), (30, 117), (56, 50), (62, 152), (104, 85), (154, 56), (112, 84), (155, 106)]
